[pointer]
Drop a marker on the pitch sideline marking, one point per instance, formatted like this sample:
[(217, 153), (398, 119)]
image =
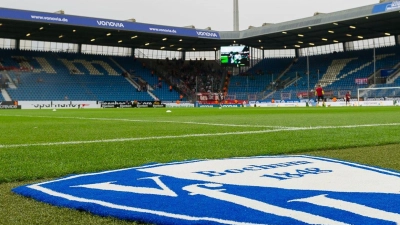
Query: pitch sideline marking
[(195, 135), (151, 121)]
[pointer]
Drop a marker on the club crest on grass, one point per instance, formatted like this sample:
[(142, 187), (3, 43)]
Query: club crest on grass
[(255, 190)]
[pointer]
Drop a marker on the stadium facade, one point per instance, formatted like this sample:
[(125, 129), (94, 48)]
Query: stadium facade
[(343, 51)]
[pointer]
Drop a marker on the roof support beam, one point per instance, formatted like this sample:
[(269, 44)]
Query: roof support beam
[(17, 44), (183, 55)]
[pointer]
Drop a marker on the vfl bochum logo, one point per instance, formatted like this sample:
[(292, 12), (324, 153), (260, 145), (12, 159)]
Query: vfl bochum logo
[(275, 190)]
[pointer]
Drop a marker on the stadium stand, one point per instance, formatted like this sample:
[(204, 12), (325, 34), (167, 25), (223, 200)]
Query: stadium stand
[(260, 77), (360, 65), (336, 72), (3, 84), (68, 76), (147, 79), (189, 76), (38, 75)]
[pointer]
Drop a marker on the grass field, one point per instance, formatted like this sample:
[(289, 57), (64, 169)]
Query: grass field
[(37, 145)]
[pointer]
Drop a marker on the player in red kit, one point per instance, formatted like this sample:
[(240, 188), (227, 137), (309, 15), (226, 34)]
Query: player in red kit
[(347, 98), (319, 92)]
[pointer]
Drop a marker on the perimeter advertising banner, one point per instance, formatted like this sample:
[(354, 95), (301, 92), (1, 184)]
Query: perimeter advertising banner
[(375, 103), (218, 105), (9, 105), (132, 104), (180, 105), (58, 104), (269, 104)]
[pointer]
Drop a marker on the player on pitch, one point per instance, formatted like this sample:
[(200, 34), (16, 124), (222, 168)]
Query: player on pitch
[(347, 98), (319, 92), (220, 98)]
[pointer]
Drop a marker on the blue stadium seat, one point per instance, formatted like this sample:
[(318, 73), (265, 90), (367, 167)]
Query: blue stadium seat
[(94, 82)]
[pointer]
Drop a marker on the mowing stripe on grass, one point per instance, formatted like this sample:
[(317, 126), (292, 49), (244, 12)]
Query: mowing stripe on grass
[(152, 121), (196, 135)]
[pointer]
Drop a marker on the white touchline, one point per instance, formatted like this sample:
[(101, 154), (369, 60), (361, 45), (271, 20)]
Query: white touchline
[(150, 121), (194, 135)]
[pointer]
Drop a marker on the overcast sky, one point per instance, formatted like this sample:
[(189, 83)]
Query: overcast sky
[(217, 14)]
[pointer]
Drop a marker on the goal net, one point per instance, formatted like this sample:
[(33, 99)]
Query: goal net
[(378, 93)]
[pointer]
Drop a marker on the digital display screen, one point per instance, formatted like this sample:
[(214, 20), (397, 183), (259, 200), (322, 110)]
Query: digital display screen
[(235, 56)]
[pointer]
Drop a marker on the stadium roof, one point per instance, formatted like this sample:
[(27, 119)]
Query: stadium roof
[(349, 25)]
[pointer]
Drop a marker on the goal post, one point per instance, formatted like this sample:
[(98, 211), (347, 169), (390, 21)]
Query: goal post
[(378, 92)]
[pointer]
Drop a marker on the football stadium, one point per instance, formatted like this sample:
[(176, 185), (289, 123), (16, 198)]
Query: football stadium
[(119, 122)]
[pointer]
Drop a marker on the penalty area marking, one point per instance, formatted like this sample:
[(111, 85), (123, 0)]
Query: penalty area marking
[(195, 135)]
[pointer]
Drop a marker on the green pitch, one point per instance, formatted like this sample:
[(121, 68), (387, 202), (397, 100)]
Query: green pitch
[(37, 145)]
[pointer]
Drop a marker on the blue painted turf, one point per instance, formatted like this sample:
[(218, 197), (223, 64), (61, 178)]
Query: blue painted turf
[(160, 199)]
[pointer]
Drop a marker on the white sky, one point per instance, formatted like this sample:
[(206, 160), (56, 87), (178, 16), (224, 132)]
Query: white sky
[(217, 14)]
